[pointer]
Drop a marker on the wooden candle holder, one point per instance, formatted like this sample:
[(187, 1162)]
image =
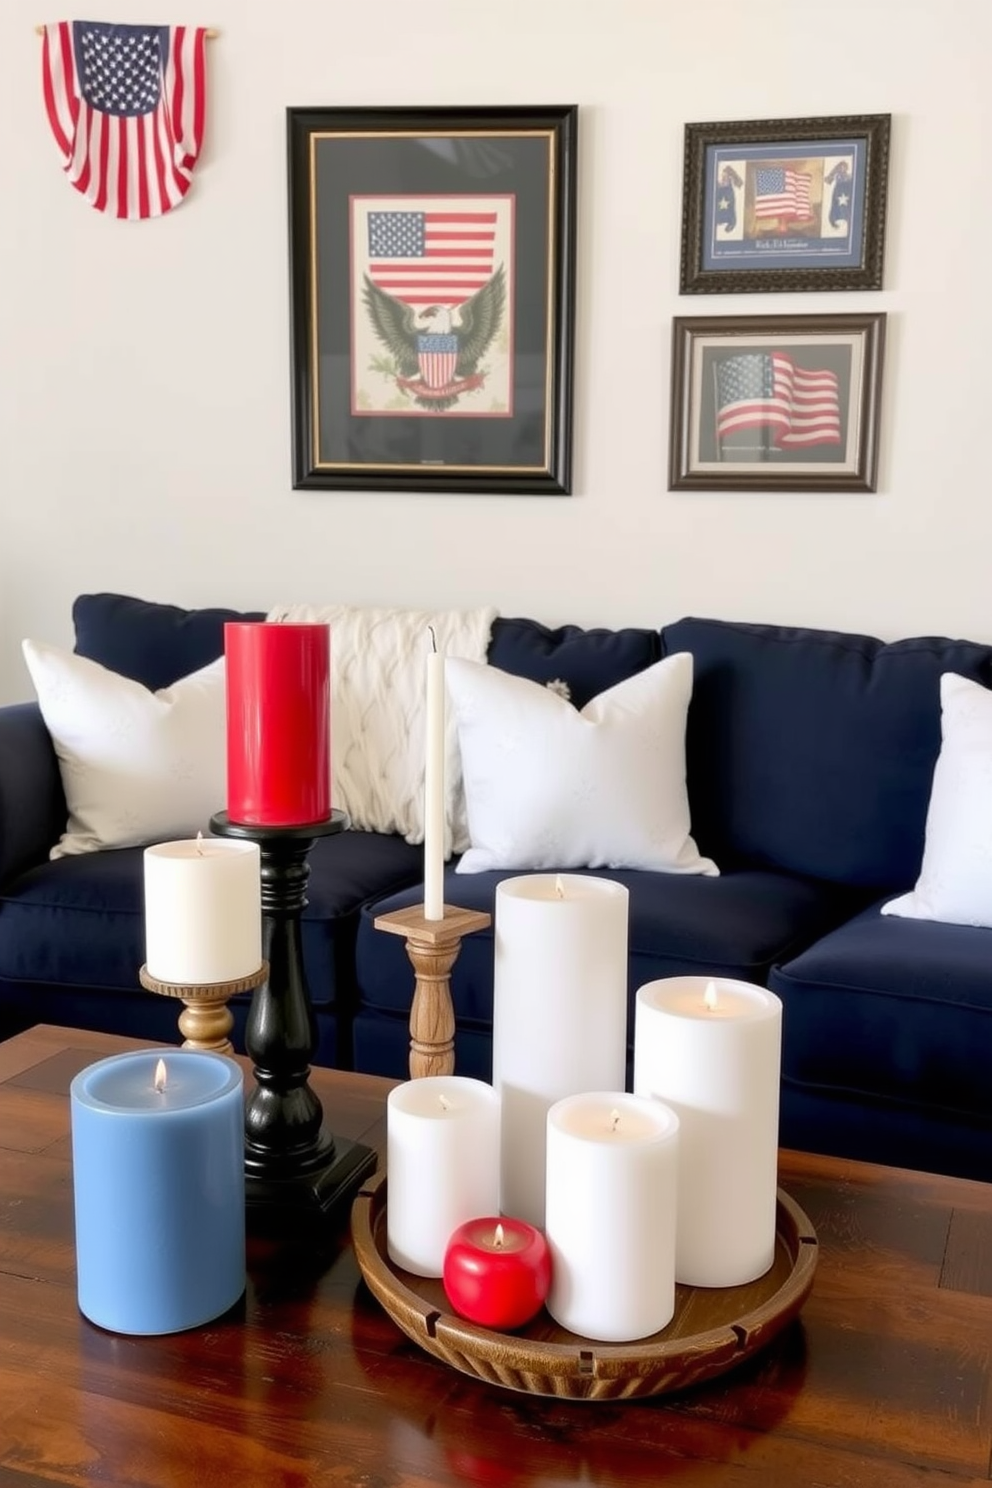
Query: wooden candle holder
[(432, 946), (206, 1020)]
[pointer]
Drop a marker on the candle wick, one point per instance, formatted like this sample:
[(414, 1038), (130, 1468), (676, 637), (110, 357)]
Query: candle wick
[(199, 844), (498, 1238), (433, 635), (445, 1103), (614, 1120)]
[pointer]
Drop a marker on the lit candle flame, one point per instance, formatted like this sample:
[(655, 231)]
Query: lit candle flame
[(559, 888), (710, 998), (614, 1121), (160, 1079), (498, 1238), (445, 1103)]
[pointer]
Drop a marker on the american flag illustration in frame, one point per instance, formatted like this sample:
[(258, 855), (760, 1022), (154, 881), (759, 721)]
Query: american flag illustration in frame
[(776, 402), (784, 204)]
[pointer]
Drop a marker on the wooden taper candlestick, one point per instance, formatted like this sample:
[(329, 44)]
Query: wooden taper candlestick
[(432, 946), (206, 1019)]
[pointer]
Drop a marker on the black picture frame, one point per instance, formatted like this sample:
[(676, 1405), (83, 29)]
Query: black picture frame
[(776, 402), (432, 286), (784, 204)]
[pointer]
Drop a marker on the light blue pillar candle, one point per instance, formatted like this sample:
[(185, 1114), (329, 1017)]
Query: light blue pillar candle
[(159, 1188)]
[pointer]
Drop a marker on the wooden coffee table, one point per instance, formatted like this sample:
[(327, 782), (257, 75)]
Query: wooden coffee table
[(885, 1381)]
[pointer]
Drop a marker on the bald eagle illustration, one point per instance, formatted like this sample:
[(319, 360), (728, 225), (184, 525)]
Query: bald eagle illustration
[(436, 354)]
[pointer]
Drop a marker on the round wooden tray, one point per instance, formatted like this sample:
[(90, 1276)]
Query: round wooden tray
[(713, 1329)]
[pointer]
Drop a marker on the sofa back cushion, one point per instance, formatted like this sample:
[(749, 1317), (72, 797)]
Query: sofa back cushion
[(586, 661), (154, 644), (813, 750)]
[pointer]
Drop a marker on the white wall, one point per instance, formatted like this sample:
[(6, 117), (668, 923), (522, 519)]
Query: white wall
[(144, 391)]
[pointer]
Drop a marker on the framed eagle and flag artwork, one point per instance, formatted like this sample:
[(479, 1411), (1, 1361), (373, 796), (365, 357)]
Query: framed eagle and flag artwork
[(432, 266)]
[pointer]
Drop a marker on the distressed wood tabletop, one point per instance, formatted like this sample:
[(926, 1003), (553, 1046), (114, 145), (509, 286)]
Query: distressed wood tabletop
[(885, 1380)]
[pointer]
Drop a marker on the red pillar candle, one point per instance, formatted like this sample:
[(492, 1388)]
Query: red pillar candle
[(278, 723)]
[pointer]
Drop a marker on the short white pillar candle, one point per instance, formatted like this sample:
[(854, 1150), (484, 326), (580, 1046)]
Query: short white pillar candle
[(711, 1049), (559, 1013), (611, 1196), (203, 911), (442, 1161)]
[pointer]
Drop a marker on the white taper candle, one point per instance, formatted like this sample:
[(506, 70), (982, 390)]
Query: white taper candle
[(434, 789)]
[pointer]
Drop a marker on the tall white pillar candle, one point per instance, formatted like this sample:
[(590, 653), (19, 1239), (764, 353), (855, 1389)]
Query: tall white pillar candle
[(711, 1049), (611, 1196), (559, 1013), (203, 911), (442, 1160), (434, 790)]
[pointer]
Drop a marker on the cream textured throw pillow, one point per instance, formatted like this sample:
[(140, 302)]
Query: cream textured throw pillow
[(137, 766), (549, 787), (378, 711), (955, 882)]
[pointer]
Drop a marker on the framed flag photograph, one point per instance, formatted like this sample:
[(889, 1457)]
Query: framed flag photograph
[(788, 204), (432, 275), (776, 402)]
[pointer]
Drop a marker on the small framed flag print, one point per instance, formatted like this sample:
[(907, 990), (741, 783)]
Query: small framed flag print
[(787, 204), (776, 402), (432, 271)]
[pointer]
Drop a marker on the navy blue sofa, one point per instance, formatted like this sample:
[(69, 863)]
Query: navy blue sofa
[(809, 756)]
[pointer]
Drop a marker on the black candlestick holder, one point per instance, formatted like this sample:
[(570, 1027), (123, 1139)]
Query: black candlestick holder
[(295, 1170)]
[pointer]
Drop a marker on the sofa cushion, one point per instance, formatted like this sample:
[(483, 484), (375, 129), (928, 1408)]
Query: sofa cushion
[(136, 766), (734, 926), (813, 751), (152, 643), (79, 921), (549, 786), (586, 661), (891, 1009), (955, 882)]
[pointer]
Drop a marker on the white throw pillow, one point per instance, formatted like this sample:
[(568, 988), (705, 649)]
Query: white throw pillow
[(549, 787), (955, 882), (137, 766)]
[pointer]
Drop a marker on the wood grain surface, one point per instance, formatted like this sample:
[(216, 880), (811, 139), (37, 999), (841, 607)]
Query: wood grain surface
[(884, 1380)]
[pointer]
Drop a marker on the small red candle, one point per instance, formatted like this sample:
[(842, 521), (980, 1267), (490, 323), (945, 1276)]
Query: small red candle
[(497, 1272), (278, 723)]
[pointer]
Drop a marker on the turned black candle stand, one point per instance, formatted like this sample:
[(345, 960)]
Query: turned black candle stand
[(295, 1170)]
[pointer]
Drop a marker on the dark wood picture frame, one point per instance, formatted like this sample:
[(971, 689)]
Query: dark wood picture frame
[(432, 284), (784, 204), (776, 402)]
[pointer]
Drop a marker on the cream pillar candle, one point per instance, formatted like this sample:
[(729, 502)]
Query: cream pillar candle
[(203, 911), (442, 1158), (711, 1049), (434, 790), (611, 1196), (559, 1013)]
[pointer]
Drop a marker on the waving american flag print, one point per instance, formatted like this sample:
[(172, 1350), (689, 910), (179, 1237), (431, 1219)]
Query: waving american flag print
[(782, 193), (126, 107), (766, 390)]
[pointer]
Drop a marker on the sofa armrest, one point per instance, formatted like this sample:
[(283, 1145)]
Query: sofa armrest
[(32, 802)]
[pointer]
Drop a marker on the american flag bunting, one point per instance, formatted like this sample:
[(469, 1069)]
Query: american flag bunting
[(126, 107)]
